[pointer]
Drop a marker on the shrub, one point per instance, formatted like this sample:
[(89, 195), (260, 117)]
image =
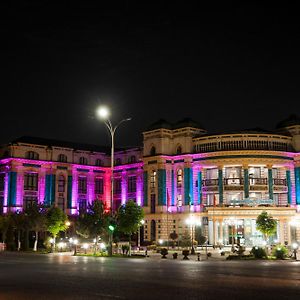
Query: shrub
[(125, 249), (175, 255), (258, 252), (280, 252), (209, 254), (164, 252)]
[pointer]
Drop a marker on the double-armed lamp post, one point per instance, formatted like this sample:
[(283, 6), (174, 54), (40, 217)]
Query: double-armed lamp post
[(103, 113)]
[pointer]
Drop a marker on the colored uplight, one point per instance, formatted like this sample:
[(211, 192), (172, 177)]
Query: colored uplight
[(103, 112)]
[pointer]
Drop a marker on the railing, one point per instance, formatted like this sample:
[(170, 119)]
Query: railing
[(258, 181), (251, 202), (233, 181), (277, 181), (210, 182)]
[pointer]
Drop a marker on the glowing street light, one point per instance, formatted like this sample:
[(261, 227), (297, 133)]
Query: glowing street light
[(103, 113), (192, 222)]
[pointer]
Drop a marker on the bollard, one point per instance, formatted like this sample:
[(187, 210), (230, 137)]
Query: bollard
[(198, 256)]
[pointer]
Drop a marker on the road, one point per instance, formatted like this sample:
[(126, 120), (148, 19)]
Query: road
[(30, 276)]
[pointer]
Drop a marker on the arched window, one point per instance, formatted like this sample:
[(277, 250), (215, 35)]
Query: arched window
[(179, 178), (61, 183), (83, 160), (62, 158), (31, 155), (153, 151), (98, 162), (179, 150)]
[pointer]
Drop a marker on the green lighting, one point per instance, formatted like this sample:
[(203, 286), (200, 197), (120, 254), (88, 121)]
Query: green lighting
[(111, 227)]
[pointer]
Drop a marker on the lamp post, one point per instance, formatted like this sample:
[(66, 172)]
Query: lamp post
[(103, 113), (192, 221), (139, 233)]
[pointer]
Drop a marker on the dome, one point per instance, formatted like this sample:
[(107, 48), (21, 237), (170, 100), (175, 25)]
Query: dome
[(187, 122), (290, 121), (159, 124)]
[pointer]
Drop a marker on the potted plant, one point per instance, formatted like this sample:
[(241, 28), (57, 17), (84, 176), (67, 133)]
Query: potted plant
[(164, 252), (185, 254)]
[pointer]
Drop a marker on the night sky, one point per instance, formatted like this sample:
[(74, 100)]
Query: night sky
[(227, 67)]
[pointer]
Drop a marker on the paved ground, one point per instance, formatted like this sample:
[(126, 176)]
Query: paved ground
[(29, 276)]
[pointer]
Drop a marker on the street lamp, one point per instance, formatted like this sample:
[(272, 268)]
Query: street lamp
[(103, 113), (139, 233), (192, 221)]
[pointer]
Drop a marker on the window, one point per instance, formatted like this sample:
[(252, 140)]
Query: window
[(31, 155), (82, 185), (179, 200), (61, 203), (30, 201), (212, 173), (153, 179), (2, 181), (83, 160), (30, 181), (99, 185), (117, 185), (132, 159), (99, 162), (153, 230), (153, 202), (62, 158), (179, 178), (1, 204), (179, 150), (82, 205), (153, 151), (131, 184), (61, 183), (118, 161)]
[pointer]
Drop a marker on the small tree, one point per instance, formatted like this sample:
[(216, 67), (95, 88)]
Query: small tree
[(19, 220), (186, 239), (173, 237), (55, 222), (129, 219), (266, 224), (5, 223)]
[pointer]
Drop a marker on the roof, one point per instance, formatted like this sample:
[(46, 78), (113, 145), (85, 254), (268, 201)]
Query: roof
[(163, 124), (64, 144), (290, 121)]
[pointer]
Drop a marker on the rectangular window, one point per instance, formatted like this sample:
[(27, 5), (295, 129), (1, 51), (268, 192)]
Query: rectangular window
[(82, 206), (2, 181), (1, 205), (30, 201), (153, 200), (131, 184), (61, 203), (117, 185), (212, 173), (153, 179), (30, 181), (99, 185), (82, 185)]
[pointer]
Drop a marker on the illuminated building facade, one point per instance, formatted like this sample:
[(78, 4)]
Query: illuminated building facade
[(222, 180)]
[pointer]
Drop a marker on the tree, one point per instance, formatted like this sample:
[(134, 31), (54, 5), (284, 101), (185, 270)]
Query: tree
[(37, 221), (173, 236), (266, 224), (55, 222), (199, 237), (129, 219), (19, 221), (186, 239), (93, 222), (5, 223)]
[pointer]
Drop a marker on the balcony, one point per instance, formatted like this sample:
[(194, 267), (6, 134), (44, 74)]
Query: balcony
[(210, 182), (251, 202), (233, 184), (281, 182)]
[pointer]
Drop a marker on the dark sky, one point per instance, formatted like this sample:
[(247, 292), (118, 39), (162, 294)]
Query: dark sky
[(228, 67)]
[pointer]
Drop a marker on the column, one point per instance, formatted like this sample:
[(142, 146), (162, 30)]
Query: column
[(173, 188), (161, 178), (188, 186), (297, 183), (220, 182), (139, 187), (200, 187), (270, 182), (69, 191), (246, 182), (289, 186), (20, 188), (124, 187), (281, 232), (221, 230), (12, 189), (145, 186)]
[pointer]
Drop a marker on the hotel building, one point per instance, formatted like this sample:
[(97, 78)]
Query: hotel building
[(222, 180)]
